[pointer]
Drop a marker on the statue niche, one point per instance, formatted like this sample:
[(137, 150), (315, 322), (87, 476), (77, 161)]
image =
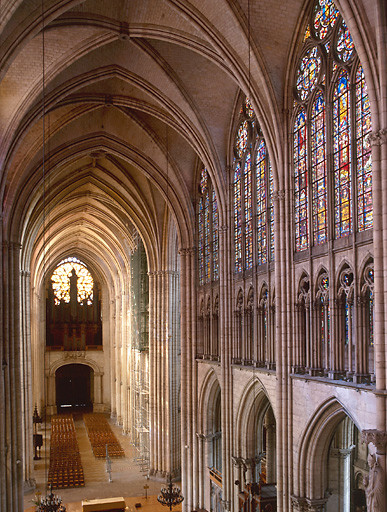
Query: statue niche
[(73, 309)]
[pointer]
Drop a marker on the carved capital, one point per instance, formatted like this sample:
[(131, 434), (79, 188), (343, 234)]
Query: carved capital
[(238, 461), (279, 195), (186, 251), (377, 438), (316, 505), (298, 504), (226, 504), (379, 137)]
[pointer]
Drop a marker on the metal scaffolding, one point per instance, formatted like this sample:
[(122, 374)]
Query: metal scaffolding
[(139, 385)]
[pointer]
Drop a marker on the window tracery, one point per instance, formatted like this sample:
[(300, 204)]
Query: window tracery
[(252, 194), (208, 231), (61, 281), (330, 91)]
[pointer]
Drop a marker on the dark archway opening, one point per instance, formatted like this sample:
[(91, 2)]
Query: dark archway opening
[(73, 388)]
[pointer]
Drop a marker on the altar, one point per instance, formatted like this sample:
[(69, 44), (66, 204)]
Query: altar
[(104, 505)]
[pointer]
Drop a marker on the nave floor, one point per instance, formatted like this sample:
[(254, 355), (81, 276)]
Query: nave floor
[(128, 479)]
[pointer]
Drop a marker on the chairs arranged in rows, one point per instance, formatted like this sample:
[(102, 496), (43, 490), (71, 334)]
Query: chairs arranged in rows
[(100, 434), (65, 460)]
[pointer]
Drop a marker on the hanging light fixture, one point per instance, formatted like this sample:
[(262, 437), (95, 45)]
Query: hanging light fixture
[(50, 502), (170, 496)]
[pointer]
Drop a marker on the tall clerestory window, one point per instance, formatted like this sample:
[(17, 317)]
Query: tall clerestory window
[(252, 194), (332, 194), (208, 231)]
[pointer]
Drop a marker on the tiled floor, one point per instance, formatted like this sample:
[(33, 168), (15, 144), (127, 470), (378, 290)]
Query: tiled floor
[(128, 479)]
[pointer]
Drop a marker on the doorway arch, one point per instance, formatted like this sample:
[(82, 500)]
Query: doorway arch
[(74, 388)]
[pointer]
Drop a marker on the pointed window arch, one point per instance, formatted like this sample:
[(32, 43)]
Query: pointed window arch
[(252, 194), (208, 231), (331, 116)]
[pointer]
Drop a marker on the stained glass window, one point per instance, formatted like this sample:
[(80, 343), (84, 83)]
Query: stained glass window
[(208, 231), (342, 156), (261, 203), (215, 237), (345, 47), (253, 191), (363, 153), (241, 141), (61, 281), (319, 188), (325, 17), (249, 108), (248, 213), (271, 211), (307, 33), (207, 261), (308, 73), (238, 217), (200, 242), (331, 117), (301, 181)]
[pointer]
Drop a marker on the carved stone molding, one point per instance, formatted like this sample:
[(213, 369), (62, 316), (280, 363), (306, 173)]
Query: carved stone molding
[(238, 461), (316, 505), (376, 437), (278, 194), (208, 437), (226, 504), (75, 355), (379, 137), (298, 504), (186, 251), (307, 504)]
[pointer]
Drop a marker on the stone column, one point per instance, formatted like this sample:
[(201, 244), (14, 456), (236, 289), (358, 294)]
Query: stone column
[(153, 379), (188, 394), (11, 435), (26, 363), (270, 451), (226, 380)]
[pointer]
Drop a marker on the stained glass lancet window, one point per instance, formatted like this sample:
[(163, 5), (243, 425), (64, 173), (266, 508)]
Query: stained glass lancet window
[(208, 231), (330, 91), (61, 281), (318, 156), (301, 182), (363, 153), (248, 213), (215, 237), (342, 155), (238, 217), (253, 191), (261, 165)]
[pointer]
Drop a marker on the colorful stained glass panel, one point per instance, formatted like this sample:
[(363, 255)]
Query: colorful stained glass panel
[(308, 72), (363, 154), (61, 281), (319, 176), (261, 179), (301, 181), (238, 218), (342, 156), (241, 140), (248, 213), (325, 17)]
